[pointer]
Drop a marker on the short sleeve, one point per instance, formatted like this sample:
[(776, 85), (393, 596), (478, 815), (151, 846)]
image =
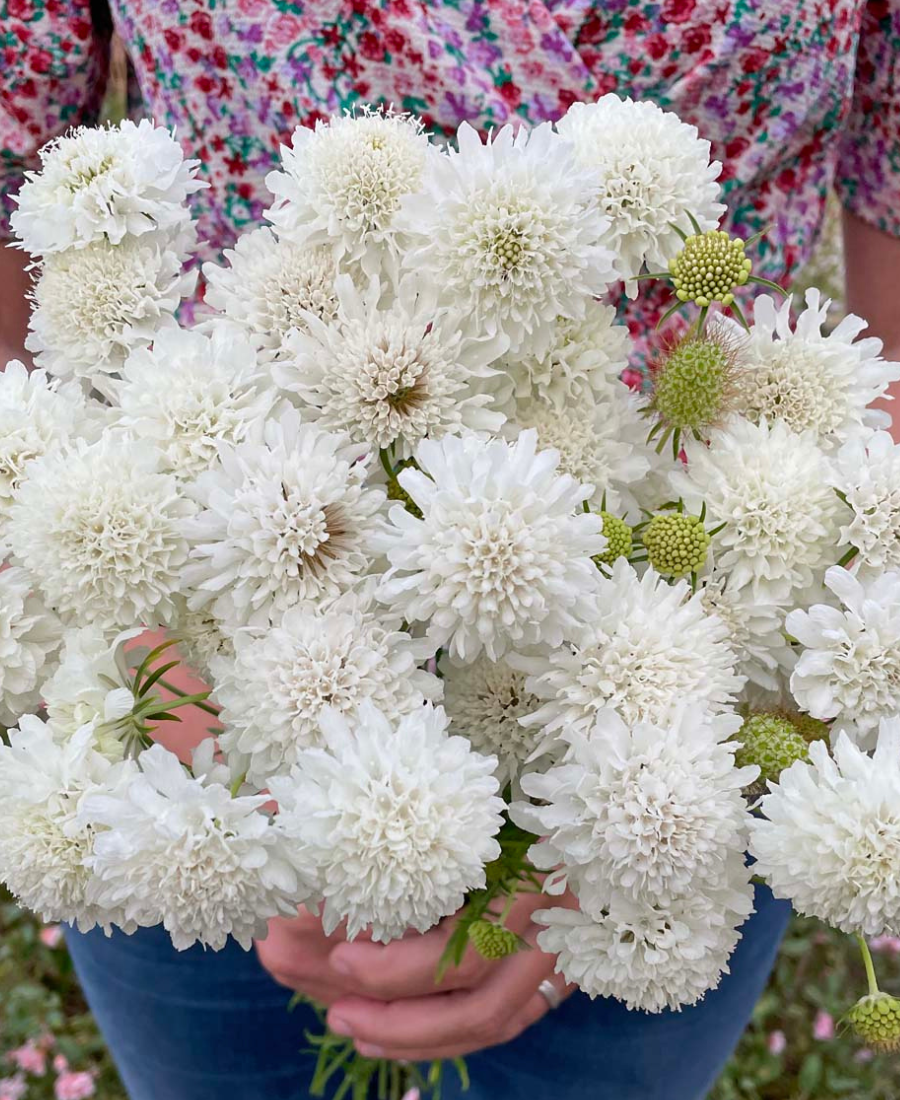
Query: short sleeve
[(54, 60), (868, 169)]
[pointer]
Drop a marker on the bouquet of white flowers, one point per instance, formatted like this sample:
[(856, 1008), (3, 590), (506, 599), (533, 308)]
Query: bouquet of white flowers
[(477, 619)]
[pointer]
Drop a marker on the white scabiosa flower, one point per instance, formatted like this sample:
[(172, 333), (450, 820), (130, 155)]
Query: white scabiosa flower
[(269, 286), (190, 392), (44, 844), (829, 835), (869, 477), (510, 233), (501, 558), (36, 415), (341, 185), (652, 954), (772, 488), (279, 680), (398, 818), (94, 305), (106, 184), (391, 376), (99, 528), (484, 701), (756, 631), (600, 443), (282, 520), (30, 638), (200, 638), (815, 381), (583, 362), (652, 172), (654, 810), (179, 851), (849, 669), (649, 646)]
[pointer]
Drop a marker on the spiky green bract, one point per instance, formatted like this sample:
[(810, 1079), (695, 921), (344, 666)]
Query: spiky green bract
[(676, 543), (876, 1020), (692, 382), (709, 268), (492, 941), (772, 742), (619, 539)]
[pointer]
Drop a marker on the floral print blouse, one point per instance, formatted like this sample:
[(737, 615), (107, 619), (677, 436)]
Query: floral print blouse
[(795, 95)]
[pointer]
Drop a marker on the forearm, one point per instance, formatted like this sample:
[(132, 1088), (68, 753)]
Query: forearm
[(872, 264), (14, 284)]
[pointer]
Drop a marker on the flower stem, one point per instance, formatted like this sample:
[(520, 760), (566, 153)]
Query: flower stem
[(870, 966), (214, 711), (386, 463)]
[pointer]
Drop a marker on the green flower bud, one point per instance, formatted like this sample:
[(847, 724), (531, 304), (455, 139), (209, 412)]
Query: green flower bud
[(676, 544), (618, 539), (692, 384), (876, 1020), (772, 741), (709, 268), (492, 941)]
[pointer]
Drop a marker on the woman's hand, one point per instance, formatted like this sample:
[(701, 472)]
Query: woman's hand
[(397, 1011), (296, 953)]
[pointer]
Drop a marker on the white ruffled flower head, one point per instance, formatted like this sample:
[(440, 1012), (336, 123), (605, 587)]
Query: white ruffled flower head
[(815, 381), (269, 286), (398, 818), (484, 701), (174, 850), (282, 520), (36, 416), (501, 558), (654, 810), (649, 646), (99, 528), (651, 954), (869, 476), (30, 638), (44, 843), (274, 689), (95, 305), (829, 837), (772, 488), (850, 666), (510, 232), (652, 172), (190, 392), (393, 375), (107, 184), (583, 362), (341, 185), (200, 637)]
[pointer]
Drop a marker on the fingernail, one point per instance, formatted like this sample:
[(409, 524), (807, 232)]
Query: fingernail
[(339, 1025), (369, 1050), (339, 963)]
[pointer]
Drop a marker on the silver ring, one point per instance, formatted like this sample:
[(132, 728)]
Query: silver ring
[(550, 993)]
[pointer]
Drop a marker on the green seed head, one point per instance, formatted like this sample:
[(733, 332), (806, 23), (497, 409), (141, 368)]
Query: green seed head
[(876, 1020), (772, 741), (810, 729), (492, 941), (618, 539), (692, 383), (676, 544), (709, 268)]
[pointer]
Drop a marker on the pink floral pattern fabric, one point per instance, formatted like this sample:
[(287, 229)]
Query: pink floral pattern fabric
[(795, 95)]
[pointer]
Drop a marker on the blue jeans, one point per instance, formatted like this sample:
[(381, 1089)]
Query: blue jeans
[(205, 1026)]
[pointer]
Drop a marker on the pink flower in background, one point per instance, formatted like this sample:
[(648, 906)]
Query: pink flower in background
[(632, 378), (74, 1086), (413, 1094), (12, 1088), (823, 1026), (60, 1063), (30, 1058), (864, 1055), (51, 935), (889, 945), (777, 1042)]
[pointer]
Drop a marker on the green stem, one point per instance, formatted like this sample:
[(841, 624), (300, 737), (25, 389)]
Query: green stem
[(848, 556), (870, 966), (237, 784), (386, 463), (510, 902), (184, 695)]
